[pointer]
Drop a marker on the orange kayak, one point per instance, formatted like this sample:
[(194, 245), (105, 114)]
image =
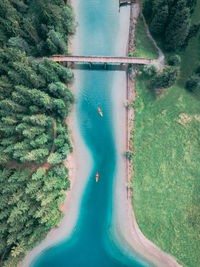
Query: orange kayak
[(97, 177), (100, 112)]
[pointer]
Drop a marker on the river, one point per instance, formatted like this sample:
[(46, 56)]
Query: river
[(91, 242)]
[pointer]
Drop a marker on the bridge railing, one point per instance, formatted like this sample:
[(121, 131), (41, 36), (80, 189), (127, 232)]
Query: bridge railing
[(116, 57), (101, 59)]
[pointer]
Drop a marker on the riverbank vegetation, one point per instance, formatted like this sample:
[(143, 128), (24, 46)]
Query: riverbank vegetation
[(34, 103), (143, 45), (166, 151)]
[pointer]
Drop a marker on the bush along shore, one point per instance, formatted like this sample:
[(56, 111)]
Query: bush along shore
[(34, 103), (166, 135)]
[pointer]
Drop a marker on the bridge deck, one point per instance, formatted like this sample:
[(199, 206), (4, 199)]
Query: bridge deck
[(126, 2), (101, 59)]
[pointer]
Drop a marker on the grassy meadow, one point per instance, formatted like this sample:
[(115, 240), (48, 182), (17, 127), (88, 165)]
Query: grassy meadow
[(166, 162), (166, 171)]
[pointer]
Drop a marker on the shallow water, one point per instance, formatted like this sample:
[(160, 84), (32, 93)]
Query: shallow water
[(91, 243)]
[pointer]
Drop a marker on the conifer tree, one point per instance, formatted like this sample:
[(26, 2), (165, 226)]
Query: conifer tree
[(178, 27), (56, 43), (161, 13)]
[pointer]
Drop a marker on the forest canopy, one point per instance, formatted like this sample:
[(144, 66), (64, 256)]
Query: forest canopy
[(171, 21), (34, 138), (37, 27)]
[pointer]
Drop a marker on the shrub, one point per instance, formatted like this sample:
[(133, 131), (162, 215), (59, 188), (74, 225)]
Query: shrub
[(129, 155), (165, 79), (193, 82), (130, 68), (150, 69), (174, 60)]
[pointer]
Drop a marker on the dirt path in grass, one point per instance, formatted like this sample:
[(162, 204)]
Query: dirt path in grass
[(130, 229), (161, 57)]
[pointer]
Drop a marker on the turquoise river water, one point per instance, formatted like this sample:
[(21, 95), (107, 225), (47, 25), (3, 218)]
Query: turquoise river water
[(91, 244)]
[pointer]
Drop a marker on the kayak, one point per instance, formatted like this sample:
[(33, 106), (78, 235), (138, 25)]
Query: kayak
[(100, 112), (97, 177)]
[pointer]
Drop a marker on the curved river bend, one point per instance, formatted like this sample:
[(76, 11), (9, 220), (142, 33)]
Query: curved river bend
[(91, 242)]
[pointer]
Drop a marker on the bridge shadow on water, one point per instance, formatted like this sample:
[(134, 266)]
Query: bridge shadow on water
[(96, 66)]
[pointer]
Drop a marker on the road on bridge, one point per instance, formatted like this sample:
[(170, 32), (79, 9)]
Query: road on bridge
[(101, 59)]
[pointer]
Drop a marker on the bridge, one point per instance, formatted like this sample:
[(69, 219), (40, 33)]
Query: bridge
[(126, 2), (101, 59)]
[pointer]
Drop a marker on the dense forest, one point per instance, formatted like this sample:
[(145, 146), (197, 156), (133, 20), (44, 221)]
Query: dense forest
[(36, 27), (171, 21), (34, 103)]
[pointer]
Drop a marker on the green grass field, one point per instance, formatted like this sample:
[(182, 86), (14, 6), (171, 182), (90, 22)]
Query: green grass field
[(144, 46), (166, 166), (166, 182)]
